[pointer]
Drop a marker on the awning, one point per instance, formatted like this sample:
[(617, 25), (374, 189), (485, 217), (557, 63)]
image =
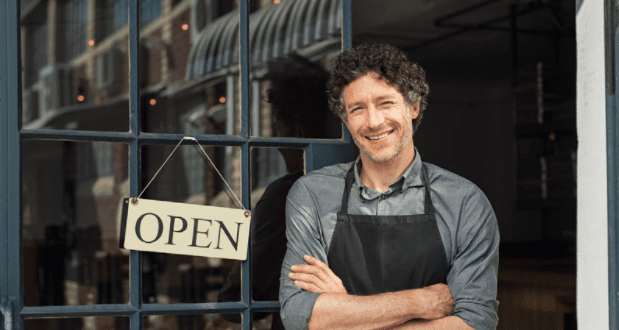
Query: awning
[(274, 31)]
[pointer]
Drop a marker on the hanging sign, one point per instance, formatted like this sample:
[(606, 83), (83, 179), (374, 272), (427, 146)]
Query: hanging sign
[(178, 228), (189, 229)]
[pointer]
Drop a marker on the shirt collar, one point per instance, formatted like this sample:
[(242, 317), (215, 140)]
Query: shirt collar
[(410, 178)]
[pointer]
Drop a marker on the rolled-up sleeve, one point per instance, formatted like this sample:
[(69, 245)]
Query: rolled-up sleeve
[(304, 237), (474, 270)]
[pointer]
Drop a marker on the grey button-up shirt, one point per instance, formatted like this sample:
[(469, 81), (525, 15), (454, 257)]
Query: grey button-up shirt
[(465, 219)]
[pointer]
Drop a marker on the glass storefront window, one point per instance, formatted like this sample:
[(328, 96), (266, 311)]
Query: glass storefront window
[(76, 68), (292, 48), (94, 129), (89, 322), (71, 214)]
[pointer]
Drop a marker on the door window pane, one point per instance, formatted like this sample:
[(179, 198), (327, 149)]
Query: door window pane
[(274, 171), (189, 69), (192, 322), (186, 178), (71, 202), (267, 321), (150, 10), (72, 24), (88, 322), (76, 72), (113, 15), (292, 48)]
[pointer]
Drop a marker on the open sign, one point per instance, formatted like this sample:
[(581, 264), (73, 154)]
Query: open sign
[(178, 228)]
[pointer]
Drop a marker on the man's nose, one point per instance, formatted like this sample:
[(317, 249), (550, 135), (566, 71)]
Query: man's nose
[(375, 117)]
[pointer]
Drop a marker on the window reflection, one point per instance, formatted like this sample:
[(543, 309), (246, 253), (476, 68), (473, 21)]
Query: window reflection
[(72, 38), (76, 77), (113, 14), (190, 322), (76, 61), (75, 65), (150, 10), (88, 322), (71, 197), (292, 48), (187, 178)]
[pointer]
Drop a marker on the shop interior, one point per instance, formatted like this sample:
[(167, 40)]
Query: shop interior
[(501, 112)]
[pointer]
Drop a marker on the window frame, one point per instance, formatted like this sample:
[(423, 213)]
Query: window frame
[(319, 152)]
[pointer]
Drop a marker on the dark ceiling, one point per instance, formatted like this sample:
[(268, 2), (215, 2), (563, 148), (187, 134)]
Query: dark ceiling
[(415, 25)]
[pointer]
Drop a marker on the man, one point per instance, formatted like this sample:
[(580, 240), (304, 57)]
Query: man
[(384, 242)]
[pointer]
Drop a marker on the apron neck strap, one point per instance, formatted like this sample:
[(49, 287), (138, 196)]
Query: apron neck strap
[(429, 208), (350, 178)]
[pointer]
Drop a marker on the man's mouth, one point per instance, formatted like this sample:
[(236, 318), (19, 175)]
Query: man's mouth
[(378, 137)]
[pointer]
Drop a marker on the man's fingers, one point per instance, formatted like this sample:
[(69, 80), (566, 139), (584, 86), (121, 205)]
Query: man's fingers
[(307, 286), (313, 261), (317, 275), (309, 278), (311, 269)]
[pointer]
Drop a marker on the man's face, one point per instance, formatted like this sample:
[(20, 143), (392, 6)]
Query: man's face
[(378, 117)]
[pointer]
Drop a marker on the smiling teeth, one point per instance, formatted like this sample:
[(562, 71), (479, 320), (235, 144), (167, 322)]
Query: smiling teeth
[(378, 137)]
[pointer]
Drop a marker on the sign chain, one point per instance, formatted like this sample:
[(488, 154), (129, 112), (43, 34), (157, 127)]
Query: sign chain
[(135, 200)]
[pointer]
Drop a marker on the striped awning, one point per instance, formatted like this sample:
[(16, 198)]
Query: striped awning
[(274, 31)]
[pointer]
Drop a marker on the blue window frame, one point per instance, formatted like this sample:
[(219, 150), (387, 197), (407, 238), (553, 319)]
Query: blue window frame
[(318, 153), (612, 150)]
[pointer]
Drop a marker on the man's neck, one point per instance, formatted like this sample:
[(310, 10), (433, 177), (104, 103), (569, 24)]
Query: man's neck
[(380, 175)]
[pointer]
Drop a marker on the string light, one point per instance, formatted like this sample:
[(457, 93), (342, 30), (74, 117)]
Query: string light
[(80, 98), (153, 102), (276, 1), (91, 43), (185, 26), (222, 99)]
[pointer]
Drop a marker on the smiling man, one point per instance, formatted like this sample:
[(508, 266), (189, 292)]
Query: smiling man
[(387, 241)]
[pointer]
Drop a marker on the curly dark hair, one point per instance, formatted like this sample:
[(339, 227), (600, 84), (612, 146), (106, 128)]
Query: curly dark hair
[(388, 62)]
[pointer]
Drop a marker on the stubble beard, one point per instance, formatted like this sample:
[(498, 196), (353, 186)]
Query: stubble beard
[(403, 141)]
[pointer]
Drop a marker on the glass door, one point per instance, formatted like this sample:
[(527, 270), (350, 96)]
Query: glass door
[(95, 96)]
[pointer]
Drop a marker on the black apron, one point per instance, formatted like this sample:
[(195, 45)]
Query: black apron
[(376, 254)]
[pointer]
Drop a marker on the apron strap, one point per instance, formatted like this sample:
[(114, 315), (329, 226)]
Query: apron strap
[(350, 178), (428, 207)]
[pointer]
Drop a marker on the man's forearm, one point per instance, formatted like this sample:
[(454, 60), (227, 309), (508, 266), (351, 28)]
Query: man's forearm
[(381, 311), (446, 323)]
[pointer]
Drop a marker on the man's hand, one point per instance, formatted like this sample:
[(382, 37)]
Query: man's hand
[(316, 277), (435, 301)]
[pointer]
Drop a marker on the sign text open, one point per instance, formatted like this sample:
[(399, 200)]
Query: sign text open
[(189, 229)]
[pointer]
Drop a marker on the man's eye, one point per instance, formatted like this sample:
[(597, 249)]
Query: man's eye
[(386, 103)]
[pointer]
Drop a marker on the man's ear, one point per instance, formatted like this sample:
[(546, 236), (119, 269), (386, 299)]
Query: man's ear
[(414, 110)]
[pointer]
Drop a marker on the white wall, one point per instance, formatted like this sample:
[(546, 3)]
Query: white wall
[(592, 244)]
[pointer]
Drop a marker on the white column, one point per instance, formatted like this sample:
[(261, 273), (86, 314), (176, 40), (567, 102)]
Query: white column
[(592, 211)]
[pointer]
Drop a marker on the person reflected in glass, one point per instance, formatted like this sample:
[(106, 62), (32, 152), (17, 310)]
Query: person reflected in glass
[(301, 110)]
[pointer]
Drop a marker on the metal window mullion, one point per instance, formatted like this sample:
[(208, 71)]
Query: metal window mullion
[(75, 136), (245, 183), (4, 156), (346, 43), (612, 154), (135, 269), (173, 139), (11, 167)]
